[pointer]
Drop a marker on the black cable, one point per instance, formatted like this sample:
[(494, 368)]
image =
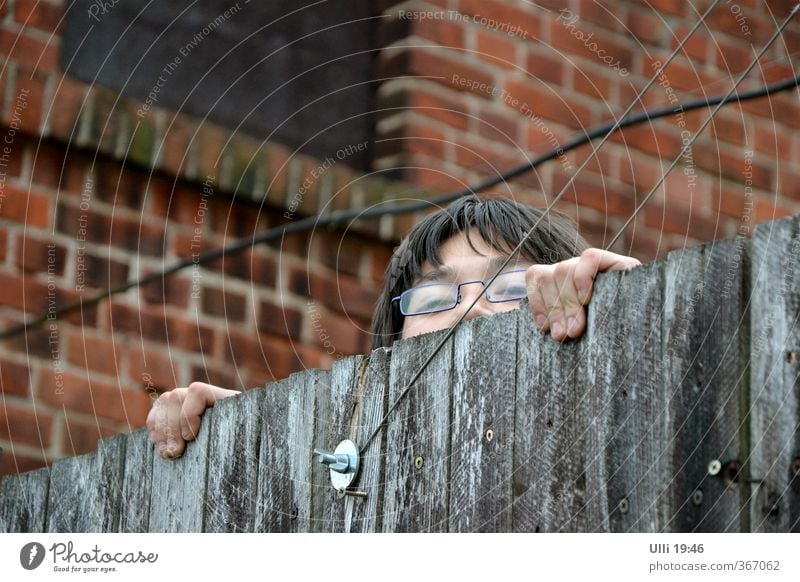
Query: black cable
[(337, 217)]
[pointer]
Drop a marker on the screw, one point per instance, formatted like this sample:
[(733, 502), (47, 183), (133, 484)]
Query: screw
[(418, 462), (697, 497), (791, 357), (352, 493), (714, 467), (489, 435), (624, 505)]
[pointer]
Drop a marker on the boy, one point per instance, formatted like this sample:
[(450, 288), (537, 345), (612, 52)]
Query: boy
[(435, 274)]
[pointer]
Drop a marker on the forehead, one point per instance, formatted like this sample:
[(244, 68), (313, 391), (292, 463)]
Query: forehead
[(460, 260)]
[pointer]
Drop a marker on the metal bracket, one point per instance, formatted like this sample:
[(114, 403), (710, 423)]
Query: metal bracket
[(343, 463)]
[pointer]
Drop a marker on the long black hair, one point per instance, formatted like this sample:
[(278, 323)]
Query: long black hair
[(500, 222)]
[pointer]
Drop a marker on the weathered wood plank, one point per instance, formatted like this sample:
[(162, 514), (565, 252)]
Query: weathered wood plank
[(288, 482), (627, 413), (137, 483), (705, 342), (482, 429), (417, 471), (775, 377), (364, 515), (233, 463), (178, 494), (343, 406), (23, 501)]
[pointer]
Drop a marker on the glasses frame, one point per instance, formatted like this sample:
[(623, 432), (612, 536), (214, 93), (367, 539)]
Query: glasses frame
[(458, 294)]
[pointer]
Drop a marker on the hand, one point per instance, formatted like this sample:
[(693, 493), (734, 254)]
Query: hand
[(558, 292), (175, 416)]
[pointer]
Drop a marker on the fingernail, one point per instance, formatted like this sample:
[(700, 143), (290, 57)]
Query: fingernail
[(541, 320), (571, 323), (171, 447), (161, 448), (556, 328)]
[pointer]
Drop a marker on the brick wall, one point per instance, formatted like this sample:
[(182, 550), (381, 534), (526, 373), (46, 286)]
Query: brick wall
[(476, 85), (93, 195)]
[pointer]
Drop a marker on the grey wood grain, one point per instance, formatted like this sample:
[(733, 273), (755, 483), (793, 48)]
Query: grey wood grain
[(137, 483), (558, 470), (627, 412), (344, 396), (364, 515), (178, 494), (23, 501), (775, 377), (233, 463), (482, 425), (416, 497), (289, 484), (705, 342)]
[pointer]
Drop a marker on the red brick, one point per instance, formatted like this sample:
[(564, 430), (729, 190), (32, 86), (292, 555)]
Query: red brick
[(696, 47), (30, 51), (334, 334), (14, 462), (151, 368), (23, 426), (538, 99), (102, 272), (218, 376), (439, 106), (789, 184), (171, 290), (379, 260), (26, 207), (682, 220), (26, 104), (566, 39), (67, 106), (210, 140), (593, 82), (340, 292), (496, 49), (177, 142), (93, 353), (443, 32), (676, 7), (14, 378), (51, 169), (277, 163), (22, 293), (649, 139), (190, 334), (724, 163), (36, 255), (38, 14), (604, 13), (593, 194), (510, 16), (119, 187), (224, 303), (644, 27), (79, 437), (447, 71), (271, 357), (499, 127), (80, 393), (545, 68), (3, 244), (279, 320)]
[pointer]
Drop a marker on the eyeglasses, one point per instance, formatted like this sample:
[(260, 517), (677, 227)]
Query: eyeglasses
[(436, 297)]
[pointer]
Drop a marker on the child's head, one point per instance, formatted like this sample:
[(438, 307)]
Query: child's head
[(457, 245)]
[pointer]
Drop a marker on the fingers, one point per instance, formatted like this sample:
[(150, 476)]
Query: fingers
[(199, 396), (554, 301), (175, 417), (593, 261), (557, 293)]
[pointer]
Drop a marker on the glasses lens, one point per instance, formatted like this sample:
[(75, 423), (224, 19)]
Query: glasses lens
[(507, 287), (428, 299)]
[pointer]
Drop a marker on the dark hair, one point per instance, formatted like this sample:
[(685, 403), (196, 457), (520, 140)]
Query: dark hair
[(501, 223)]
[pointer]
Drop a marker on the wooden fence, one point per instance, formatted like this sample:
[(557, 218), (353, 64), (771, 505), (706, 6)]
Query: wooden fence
[(677, 411)]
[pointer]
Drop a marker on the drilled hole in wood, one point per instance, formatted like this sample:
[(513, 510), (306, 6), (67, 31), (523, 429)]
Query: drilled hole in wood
[(549, 423), (732, 471)]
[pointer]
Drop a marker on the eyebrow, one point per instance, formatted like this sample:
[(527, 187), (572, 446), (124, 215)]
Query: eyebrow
[(445, 273)]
